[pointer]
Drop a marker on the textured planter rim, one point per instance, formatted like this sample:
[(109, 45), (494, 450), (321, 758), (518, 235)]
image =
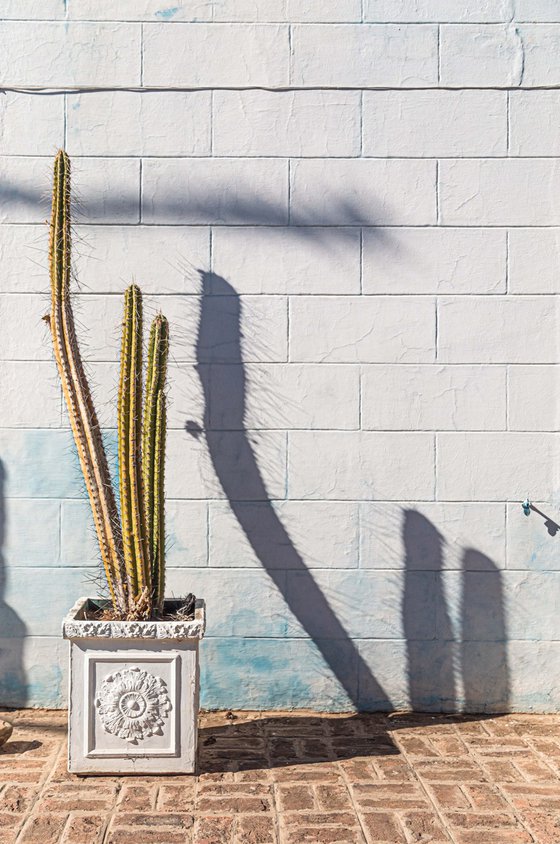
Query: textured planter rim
[(76, 626), (134, 687)]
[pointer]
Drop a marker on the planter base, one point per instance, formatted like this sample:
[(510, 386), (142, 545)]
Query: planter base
[(133, 694)]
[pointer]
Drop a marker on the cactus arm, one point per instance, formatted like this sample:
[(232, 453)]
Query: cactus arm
[(83, 420), (130, 464), (153, 451), (158, 530)]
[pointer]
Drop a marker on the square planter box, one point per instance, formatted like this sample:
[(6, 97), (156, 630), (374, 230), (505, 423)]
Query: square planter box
[(133, 693)]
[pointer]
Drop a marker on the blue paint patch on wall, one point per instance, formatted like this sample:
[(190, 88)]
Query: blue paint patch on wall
[(167, 14)]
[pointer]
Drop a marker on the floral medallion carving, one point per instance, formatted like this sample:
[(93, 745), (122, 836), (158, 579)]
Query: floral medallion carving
[(132, 704)]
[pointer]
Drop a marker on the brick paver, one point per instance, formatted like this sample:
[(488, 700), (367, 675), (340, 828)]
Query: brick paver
[(274, 778)]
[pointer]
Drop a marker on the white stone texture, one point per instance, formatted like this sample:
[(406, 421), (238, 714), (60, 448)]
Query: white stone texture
[(140, 10), (220, 55), (482, 56), (20, 111), (353, 465), (369, 192), (504, 329), (292, 123), (498, 192), (130, 123), (455, 398), (288, 11), (534, 398), (434, 260), (161, 259), (49, 54), (431, 536), (233, 191), (292, 259), (364, 56), (428, 124), (31, 394), (359, 330), (534, 119), (317, 534), (435, 11), (496, 467), (534, 260)]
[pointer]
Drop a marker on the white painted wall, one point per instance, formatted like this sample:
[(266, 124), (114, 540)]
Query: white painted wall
[(368, 196)]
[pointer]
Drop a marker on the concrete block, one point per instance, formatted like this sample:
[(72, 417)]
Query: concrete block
[(481, 330), (78, 540), (492, 192), (534, 257), (433, 11), (131, 123), (33, 10), (287, 123), (478, 56), (365, 604), (150, 11), (370, 192), (352, 465), (288, 11), (161, 259), (381, 56), (293, 260), (496, 467), (226, 464), (30, 125), (24, 256), (30, 590), (434, 260), (432, 397), (264, 674), (357, 329), (532, 541), (58, 53), (32, 394), (32, 533), (40, 463), (33, 669), (235, 599), (186, 56), (533, 398), (287, 396), (26, 336), (231, 191), (284, 535), (537, 11), (428, 124), (431, 536), (533, 118)]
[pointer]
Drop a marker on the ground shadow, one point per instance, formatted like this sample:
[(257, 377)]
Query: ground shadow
[(13, 680), (235, 464)]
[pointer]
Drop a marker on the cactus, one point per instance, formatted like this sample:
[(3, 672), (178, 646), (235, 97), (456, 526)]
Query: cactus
[(83, 419), (132, 552), (130, 463), (153, 452)]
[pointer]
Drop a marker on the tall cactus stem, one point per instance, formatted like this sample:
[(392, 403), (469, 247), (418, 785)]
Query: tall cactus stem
[(153, 451), (135, 545), (83, 419)]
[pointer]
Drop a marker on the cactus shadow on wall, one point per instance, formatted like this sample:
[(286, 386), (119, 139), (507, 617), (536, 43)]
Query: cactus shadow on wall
[(452, 664), (235, 464), (13, 679)]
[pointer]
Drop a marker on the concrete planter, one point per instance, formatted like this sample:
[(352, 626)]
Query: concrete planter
[(133, 693)]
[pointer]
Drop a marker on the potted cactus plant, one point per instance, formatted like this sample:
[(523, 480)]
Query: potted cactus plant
[(133, 654)]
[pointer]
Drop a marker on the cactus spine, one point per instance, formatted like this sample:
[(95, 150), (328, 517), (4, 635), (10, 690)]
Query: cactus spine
[(133, 554), (83, 419), (153, 452)]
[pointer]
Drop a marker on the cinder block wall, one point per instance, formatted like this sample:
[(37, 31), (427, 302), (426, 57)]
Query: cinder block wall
[(350, 213)]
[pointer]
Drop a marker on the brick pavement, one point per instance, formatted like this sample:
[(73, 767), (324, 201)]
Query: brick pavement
[(289, 778)]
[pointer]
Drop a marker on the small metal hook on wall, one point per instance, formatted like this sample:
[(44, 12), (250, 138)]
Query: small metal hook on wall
[(526, 506)]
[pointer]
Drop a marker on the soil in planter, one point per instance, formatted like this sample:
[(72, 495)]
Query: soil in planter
[(181, 609)]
